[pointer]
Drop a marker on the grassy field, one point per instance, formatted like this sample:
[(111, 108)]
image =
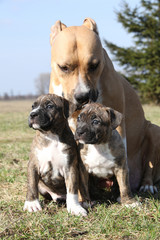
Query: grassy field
[(107, 220)]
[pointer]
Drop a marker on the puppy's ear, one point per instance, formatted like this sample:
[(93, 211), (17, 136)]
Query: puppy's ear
[(91, 24), (115, 117), (68, 108), (55, 29)]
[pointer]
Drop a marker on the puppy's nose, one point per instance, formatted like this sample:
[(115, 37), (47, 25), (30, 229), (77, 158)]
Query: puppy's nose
[(33, 114), (80, 132), (82, 97)]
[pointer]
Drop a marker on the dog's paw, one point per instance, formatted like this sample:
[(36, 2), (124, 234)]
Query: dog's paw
[(133, 204), (77, 210), (32, 206), (73, 206), (130, 203), (148, 188)]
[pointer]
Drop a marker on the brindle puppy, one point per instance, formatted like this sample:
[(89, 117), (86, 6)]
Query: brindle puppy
[(53, 165), (103, 152)]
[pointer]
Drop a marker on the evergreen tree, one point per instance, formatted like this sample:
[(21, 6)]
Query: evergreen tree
[(141, 62)]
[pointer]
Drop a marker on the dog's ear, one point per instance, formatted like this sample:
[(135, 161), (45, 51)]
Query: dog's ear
[(68, 107), (115, 117), (91, 24), (55, 29)]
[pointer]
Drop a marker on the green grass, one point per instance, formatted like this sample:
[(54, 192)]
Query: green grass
[(107, 220)]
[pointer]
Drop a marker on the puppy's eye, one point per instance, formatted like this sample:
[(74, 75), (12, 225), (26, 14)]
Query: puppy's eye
[(93, 66), (49, 106), (95, 122), (78, 119), (33, 106), (64, 68)]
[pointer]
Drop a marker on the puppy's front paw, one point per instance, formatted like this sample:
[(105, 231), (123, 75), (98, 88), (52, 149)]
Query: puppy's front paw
[(133, 204), (77, 210), (129, 203), (32, 206), (73, 206), (148, 188)]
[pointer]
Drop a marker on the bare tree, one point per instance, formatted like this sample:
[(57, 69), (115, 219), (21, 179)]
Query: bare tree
[(42, 83)]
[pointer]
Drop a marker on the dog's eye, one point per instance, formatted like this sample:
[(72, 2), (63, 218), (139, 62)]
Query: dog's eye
[(78, 119), (49, 106), (93, 66), (64, 68), (33, 106), (95, 122)]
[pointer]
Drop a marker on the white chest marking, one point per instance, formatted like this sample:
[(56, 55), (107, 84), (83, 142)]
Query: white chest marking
[(100, 160), (52, 154)]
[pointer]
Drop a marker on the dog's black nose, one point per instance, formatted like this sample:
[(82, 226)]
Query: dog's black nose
[(82, 97), (80, 132), (33, 114)]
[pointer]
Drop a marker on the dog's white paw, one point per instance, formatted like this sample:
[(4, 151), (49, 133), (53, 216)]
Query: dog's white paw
[(129, 204), (77, 210), (132, 205), (148, 188), (73, 206), (32, 206)]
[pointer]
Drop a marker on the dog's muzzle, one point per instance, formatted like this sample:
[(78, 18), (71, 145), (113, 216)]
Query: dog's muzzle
[(31, 119), (85, 97), (39, 120)]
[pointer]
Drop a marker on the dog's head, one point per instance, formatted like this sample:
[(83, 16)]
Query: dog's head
[(77, 61), (49, 112), (96, 123)]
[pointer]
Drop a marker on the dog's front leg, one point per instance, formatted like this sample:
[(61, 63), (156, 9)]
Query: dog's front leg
[(72, 183), (83, 183), (32, 203), (122, 176), (150, 145)]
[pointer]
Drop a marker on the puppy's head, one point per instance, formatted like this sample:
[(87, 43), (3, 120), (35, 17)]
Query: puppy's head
[(49, 112), (95, 123), (77, 61)]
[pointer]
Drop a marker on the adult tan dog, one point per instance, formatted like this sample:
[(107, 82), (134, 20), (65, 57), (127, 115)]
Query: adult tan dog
[(82, 71)]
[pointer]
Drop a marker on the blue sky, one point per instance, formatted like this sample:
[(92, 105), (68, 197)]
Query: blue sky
[(24, 35)]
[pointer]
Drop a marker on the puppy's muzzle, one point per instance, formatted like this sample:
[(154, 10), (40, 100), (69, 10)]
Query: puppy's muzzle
[(32, 116), (79, 133)]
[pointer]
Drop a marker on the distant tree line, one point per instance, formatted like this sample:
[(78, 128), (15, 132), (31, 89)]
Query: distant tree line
[(41, 85), (141, 62), (6, 97)]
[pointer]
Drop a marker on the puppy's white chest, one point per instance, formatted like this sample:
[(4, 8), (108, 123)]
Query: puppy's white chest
[(52, 156), (100, 161)]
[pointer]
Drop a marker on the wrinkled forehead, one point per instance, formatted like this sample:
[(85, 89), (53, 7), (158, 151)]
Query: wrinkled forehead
[(76, 42), (46, 99), (95, 109)]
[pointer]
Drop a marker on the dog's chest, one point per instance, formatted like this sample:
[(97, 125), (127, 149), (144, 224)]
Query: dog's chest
[(99, 160), (51, 158)]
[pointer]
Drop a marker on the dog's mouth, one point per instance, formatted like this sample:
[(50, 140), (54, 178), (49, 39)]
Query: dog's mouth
[(38, 125), (85, 137)]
